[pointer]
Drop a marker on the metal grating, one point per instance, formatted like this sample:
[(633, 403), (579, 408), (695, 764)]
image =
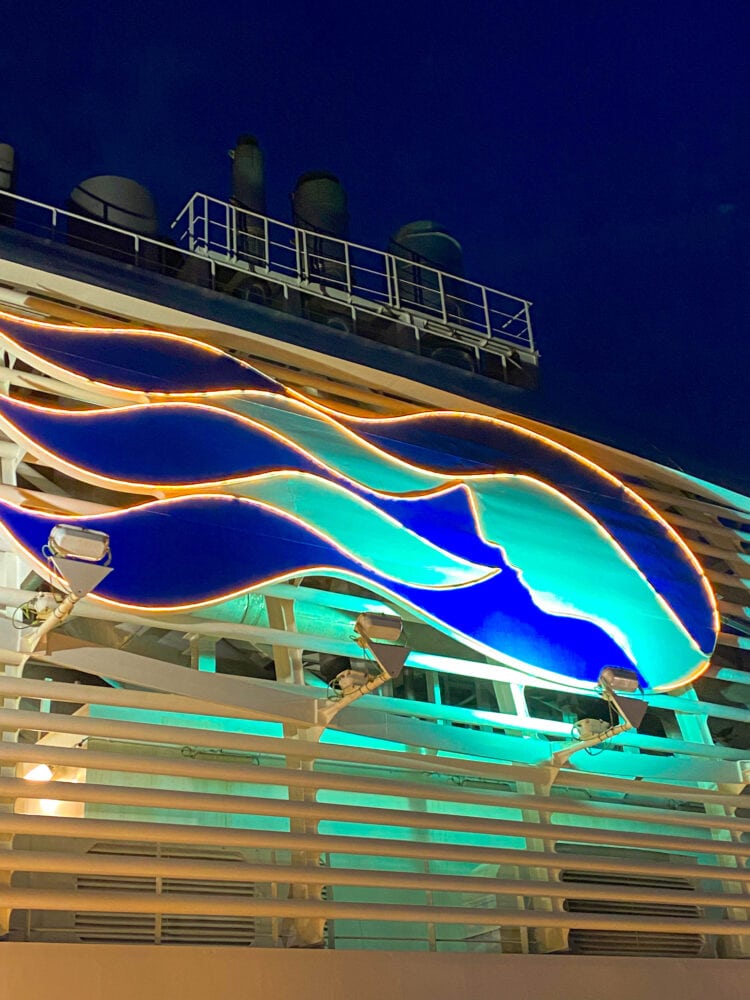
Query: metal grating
[(167, 928), (631, 942)]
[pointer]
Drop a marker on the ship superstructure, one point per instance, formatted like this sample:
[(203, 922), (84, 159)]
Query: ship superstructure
[(340, 682)]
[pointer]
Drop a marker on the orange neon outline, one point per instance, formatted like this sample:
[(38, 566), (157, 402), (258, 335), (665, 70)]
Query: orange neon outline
[(554, 445), (602, 531), (478, 527), (50, 366), (379, 590), (421, 612), (334, 417), (91, 475), (249, 501), (235, 482), (271, 431)]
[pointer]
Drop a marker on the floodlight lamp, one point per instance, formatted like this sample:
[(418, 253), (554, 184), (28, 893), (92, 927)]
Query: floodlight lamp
[(82, 544), (376, 627), (616, 680), (81, 556), (619, 679)]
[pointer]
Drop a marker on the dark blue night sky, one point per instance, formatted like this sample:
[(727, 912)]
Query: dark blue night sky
[(592, 157)]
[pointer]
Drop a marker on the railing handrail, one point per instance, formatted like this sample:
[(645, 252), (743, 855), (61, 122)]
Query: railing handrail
[(492, 326), (90, 220), (349, 244)]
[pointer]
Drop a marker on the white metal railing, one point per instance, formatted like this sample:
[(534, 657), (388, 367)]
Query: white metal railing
[(390, 847), (217, 239), (355, 274), (47, 221)]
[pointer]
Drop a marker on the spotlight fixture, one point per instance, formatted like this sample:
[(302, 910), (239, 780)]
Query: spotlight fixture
[(370, 627), (81, 544), (612, 682), (378, 626), (354, 682), (81, 557)]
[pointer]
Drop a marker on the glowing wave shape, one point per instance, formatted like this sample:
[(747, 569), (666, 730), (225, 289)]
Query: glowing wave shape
[(511, 543), (135, 362)]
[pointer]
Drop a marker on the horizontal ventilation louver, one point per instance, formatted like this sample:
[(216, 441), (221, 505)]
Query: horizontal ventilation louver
[(611, 942), (168, 928), (635, 943)]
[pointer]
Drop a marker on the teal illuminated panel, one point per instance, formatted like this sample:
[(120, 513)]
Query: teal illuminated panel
[(512, 544)]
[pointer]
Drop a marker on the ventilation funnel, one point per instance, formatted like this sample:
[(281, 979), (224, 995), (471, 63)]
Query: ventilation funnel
[(429, 243), (116, 202), (249, 197), (426, 247), (319, 208), (248, 181)]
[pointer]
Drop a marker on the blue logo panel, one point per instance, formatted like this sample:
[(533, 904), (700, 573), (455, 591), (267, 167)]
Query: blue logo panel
[(509, 542)]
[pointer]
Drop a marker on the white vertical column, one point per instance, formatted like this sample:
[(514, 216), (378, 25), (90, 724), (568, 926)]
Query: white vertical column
[(203, 652), (11, 575)]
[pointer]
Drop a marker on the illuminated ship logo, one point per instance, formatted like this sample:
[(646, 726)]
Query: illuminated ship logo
[(509, 542)]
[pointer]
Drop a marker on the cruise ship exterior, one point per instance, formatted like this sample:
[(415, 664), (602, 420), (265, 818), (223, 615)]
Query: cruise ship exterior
[(328, 666)]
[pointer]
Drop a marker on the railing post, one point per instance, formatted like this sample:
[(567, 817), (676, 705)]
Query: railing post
[(191, 224), (527, 317), (441, 292), (347, 265), (486, 307), (266, 243), (300, 242), (394, 299), (430, 901), (233, 235), (553, 938)]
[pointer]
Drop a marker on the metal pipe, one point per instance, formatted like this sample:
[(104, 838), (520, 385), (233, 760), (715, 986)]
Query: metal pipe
[(161, 798), (683, 705), (141, 866), (76, 694), (734, 641), (11, 720), (651, 789), (498, 720), (733, 676), (730, 581), (374, 847), (268, 636), (560, 757), (140, 902), (54, 386), (732, 556), (275, 776)]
